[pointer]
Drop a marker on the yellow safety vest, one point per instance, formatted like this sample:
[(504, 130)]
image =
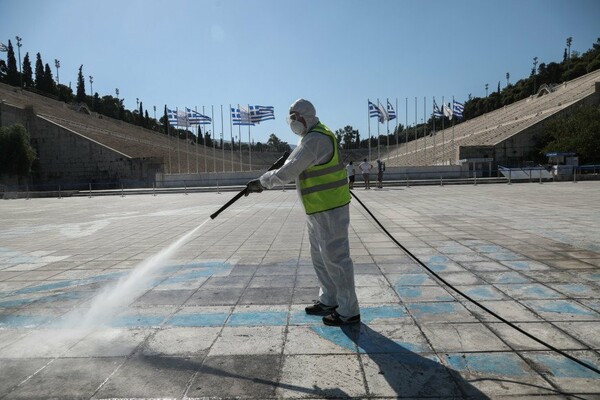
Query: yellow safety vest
[(325, 186)]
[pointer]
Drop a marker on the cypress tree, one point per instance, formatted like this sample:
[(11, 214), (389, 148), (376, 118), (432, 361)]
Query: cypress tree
[(39, 74), (49, 84), (27, 72), (141, 115), (12, 73), (80, 97)]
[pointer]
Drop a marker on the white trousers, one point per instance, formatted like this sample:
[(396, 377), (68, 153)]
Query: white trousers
[(330, 252)]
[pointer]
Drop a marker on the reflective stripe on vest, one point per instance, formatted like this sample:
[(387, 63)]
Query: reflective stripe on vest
[(325, 186)]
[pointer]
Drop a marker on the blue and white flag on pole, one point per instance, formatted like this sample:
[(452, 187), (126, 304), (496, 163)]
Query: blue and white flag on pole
[(195, 118), (436, 110), (177, 118), (457, 109), (241, 116), (374, 111), (3, 47), (390, 112), (261, 113)]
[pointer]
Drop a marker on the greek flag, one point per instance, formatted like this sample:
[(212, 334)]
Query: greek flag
[(177, 118), (436, 110), (374, 111), (3, 47), (457, 109), (195, 118), (261, 113), (390, 111), (241, 116)]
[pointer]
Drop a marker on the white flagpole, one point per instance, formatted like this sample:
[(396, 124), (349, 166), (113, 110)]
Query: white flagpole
[(443, 134), (249, 141), (204, 143), (433, 122), (369, 125), (187, 146), (240, 136), (397, 116), (213, 136), (169, 138), (453, 148), (416, 132), (197, 133), (231, 134), (425, 128), (406, 134), (387, 123), (177, 133), (378, 134), (222, 140)]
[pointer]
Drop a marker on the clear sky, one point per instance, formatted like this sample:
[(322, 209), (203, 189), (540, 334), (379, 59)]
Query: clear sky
[(336, 53)]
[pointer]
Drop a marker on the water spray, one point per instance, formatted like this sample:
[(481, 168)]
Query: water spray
[(114, 298)]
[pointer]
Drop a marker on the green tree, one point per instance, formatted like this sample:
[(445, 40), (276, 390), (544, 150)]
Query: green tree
[(80, 97), (12, 73), (578, 133), (40, 82), (16, 154), (277, 144), (49, 84), (27, 72)]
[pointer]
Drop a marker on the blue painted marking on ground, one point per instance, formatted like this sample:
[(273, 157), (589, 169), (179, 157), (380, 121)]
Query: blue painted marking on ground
[(142, 321), (417, 293), (15, 303), (502, 364), (503, 256), (262, 318), (562, 367), (574, 288), (489, 248), (369, 314), (560, 307), (519, 265), (511, 277), (22, 321), (540, 292), (437, 260), (205, 319), (334, 335), (483, 293), (432, 308), (302, 318), (64, 297), (411, 280)]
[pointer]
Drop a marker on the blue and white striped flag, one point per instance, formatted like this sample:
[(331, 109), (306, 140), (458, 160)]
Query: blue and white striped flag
[(437, 113), (195, 118), (3, 47), (457, 109), (261, 113), (374, 111), (177, 118), (241, 116), (390, 111)]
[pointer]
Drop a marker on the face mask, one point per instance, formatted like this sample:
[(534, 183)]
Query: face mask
[(297, 127)]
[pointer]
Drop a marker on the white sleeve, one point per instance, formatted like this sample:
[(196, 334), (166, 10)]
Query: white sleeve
[(314, 149)]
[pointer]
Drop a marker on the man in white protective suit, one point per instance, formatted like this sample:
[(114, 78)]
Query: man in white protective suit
[(322, 185)]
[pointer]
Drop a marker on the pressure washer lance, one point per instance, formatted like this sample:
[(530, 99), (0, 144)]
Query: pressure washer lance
[(278, 164)]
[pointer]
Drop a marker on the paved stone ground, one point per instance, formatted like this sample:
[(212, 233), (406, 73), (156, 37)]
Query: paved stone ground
[(223, 317)]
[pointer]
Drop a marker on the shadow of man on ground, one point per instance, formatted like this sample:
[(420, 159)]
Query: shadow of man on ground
[(392, 369)]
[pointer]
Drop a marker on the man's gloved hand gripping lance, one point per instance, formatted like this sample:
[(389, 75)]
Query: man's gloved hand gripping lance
[(246, 191)]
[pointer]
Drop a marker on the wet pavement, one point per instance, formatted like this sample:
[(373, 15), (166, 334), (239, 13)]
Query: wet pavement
[(223, 317)]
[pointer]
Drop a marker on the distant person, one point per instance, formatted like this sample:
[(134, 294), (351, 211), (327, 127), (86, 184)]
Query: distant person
[(365, 168), (351, 172), (380, 169)]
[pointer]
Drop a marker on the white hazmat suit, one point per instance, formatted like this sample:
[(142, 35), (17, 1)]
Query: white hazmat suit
[(327, 230)]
